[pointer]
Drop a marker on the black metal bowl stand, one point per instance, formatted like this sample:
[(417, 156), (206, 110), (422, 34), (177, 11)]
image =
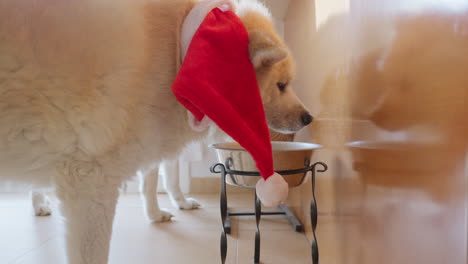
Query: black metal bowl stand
[(224, 169)]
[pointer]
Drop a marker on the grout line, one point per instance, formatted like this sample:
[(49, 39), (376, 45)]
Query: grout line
[(237, 251), (307, 239), (15, 260)]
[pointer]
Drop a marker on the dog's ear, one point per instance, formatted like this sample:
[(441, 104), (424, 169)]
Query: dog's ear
[(265, 51)]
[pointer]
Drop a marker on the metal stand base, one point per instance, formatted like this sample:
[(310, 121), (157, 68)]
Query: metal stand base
[(297, 226), (284, 210)]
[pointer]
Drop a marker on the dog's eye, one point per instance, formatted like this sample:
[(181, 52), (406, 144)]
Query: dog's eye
[(281, 86)]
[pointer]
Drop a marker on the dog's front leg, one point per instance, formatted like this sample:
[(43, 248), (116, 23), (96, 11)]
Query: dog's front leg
[(148, 190), (88, 199), (170, 174)]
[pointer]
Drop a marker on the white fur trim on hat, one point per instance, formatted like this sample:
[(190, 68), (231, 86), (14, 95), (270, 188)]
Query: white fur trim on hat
[(196, 16), (196, 125), (272, 191)]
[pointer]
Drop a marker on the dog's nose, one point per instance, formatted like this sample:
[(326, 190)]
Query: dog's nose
[(306, 118)]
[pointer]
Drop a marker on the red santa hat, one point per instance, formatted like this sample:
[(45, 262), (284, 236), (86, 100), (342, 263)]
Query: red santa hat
[(217, 83)]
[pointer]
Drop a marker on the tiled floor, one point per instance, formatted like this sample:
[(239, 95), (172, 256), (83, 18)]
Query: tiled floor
[(192, 237)]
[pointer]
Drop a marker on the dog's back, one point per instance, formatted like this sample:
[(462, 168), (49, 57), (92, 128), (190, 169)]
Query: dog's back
[(72, 74)]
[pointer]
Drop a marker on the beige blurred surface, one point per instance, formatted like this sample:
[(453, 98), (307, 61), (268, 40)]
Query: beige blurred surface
[(387, 83)]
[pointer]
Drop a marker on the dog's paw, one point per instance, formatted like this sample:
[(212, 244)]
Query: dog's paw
[(42, 209), (159, 216), (41, 204), (187, 204)]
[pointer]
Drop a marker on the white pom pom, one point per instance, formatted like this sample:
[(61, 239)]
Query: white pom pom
[(273, 191)]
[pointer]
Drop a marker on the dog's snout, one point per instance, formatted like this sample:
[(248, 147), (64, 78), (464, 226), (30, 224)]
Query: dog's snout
[(306, 118)]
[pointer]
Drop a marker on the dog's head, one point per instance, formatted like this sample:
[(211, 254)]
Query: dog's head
[(274, 68), (423, 74)]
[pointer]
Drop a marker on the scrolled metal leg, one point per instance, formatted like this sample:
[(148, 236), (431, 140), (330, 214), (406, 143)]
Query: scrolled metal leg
[(258, 213), (314, 213), (313, 217), (227, 224), (226, 169), (223, 207)]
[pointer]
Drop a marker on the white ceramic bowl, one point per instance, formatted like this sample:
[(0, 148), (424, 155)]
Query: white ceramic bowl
[(286, 156)]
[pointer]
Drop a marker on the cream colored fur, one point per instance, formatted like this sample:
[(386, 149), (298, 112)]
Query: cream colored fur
[(85, 100), (422, 79), (169, 170)]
